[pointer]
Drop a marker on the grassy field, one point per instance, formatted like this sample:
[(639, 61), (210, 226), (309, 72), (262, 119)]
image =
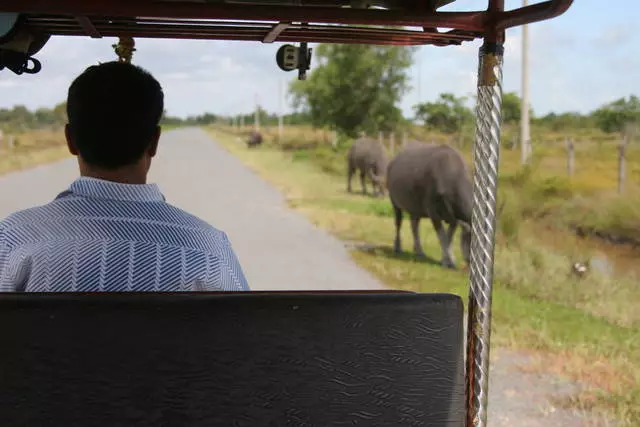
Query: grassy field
[(585, 329), (543, 190), (36, 147), (31, 149)]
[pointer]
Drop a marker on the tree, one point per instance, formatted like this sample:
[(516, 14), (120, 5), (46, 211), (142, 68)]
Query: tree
[(618, 115), (355, 88), (448, 114), (565, 121), (511, 108)]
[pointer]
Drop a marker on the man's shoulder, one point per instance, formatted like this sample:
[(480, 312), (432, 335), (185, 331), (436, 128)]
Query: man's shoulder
[(185, 218), (20, 216)]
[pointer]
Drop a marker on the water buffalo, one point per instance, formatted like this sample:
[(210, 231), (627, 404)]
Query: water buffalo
[(369, 157), (255, 139), (432, 181)]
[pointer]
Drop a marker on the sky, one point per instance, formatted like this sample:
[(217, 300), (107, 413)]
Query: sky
[(585, 58)]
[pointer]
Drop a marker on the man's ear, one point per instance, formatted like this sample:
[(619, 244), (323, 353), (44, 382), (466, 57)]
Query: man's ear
[(153, 148), (71, 143)]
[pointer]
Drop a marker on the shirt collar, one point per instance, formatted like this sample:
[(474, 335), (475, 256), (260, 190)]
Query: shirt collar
[(101, 189)]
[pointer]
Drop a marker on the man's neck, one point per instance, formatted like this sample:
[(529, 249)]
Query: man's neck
[(126, 175)]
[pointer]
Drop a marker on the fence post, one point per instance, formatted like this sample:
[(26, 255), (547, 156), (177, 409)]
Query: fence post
[(11, 142), (392, 143), (570, 156), (621, 165), (404, 139), (334, 139), (381, 137)]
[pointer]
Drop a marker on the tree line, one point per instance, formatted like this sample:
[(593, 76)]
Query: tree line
[(358, 88), (21, 119)]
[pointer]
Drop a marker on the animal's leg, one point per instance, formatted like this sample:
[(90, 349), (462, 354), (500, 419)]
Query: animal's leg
[(450, 233), (415, 229), (350, 173), (375, 182), (444, 243), (362, 182), (397, 245)]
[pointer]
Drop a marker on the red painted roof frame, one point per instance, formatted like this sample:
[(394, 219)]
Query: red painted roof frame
[(309, 20)]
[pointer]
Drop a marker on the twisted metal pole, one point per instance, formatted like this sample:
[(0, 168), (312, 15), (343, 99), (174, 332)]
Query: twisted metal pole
[(486, 154)]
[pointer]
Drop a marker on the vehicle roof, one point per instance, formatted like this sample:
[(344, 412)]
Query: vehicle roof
[(400, 22)]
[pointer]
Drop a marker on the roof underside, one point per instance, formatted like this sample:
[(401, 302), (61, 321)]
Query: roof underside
[(402, 22)]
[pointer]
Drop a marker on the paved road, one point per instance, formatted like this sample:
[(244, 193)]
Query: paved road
[(279, 249)]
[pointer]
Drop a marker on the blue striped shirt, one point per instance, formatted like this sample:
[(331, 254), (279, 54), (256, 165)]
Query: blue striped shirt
[(101, 236)]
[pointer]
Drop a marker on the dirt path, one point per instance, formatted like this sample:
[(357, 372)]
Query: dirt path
[(279, 249)]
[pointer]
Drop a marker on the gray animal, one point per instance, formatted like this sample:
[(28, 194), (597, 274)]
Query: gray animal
[(369, 157), (255, 139), (432, 181)]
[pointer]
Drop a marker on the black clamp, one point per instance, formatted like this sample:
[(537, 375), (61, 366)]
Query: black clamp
[(19, 62), (304, 61), (291, 58)]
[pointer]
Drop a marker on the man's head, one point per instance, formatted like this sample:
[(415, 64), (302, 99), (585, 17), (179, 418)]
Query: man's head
[(114, 110)]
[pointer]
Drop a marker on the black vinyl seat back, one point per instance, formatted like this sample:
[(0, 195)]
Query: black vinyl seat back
[(231, 360)]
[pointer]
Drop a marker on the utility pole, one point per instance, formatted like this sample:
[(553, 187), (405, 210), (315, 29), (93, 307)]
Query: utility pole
[(256, 116), (419, 82), (525, 134), (280, 108)]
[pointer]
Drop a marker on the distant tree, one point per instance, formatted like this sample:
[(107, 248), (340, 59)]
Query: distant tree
[(618, 115), (297, 118), (60, 112), (355, 87), (565, 121), (447, 114), (512, 108)]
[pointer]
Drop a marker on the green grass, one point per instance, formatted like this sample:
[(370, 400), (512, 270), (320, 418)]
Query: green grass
[(584, 329)]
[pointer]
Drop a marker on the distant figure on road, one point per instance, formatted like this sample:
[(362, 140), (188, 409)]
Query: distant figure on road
[(110, 230)]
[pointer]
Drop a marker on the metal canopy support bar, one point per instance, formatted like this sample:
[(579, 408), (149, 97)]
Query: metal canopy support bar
[(473, 21), (202, 20), (410, 16), (237, 30), (276, 31), (88, 27), (485, 157), (486, 153)]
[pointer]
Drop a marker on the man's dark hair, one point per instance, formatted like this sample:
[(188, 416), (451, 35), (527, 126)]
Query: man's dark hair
[(114, 110)]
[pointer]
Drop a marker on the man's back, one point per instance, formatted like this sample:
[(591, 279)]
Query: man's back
[(106, 236)]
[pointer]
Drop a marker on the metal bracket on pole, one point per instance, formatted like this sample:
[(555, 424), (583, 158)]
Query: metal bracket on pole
[(290, 58)]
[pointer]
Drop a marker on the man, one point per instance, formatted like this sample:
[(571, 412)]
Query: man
[(111, 231)]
